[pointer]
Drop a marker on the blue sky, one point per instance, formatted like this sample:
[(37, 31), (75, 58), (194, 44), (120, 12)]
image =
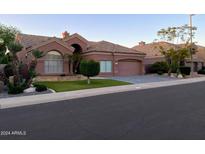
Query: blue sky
[(126, 30)]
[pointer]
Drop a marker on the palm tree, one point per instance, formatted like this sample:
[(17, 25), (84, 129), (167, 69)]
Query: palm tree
[(14, 48), (36, 54), (73, 62)]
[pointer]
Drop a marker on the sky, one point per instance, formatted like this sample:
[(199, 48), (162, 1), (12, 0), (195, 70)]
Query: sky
[(125, 29)]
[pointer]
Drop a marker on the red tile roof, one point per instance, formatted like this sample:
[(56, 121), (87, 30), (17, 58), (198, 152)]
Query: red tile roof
[(106, 46), (30, 41), (152, 50)]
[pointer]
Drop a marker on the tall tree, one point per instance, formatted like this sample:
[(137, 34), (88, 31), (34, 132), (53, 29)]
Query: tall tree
[(176, 35), (7, 36), (14, 48)]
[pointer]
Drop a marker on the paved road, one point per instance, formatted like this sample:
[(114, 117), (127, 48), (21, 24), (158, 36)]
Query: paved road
[(176, 112)]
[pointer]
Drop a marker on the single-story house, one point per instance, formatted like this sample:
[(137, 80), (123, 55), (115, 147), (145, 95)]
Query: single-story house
[(114, 59), (153, 54)]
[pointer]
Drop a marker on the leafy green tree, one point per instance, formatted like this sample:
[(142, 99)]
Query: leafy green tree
[(7, 36), (89, 68), (175, 55)]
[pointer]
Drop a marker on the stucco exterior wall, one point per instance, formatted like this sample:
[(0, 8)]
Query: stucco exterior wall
[(53, 46), (63, 49), (115, 58)]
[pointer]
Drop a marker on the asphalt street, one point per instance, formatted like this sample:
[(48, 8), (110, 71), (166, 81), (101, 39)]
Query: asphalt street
[(175, 112)]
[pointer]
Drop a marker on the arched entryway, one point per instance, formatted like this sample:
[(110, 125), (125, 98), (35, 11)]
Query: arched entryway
[(76, 58), (53, 63)]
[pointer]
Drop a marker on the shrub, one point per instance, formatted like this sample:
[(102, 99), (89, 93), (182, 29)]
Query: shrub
[(32, 73), (4, 60), (24, 71), (62, 74), (185, 70), (201, 71), (159, 67), (15, 89), (89, 68), (8, 70), (174, 68), (40, 87), (2, 77), (148, 69)]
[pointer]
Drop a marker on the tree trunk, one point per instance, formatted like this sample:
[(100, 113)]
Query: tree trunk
[(88, 80), (15, 70), (169, 72)]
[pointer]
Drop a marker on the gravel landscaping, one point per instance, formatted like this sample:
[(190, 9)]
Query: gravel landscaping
[(5, 94)]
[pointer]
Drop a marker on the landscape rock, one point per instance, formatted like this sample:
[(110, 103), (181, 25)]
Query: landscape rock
[(180, 76), (30, 90), (173, 75)]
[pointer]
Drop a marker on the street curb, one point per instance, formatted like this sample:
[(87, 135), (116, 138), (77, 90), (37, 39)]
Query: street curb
[(53, 97)]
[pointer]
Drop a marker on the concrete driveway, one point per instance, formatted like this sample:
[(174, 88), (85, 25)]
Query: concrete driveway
[(144, 78)]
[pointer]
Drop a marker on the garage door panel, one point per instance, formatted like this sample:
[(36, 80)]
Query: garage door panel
[(126, 68)]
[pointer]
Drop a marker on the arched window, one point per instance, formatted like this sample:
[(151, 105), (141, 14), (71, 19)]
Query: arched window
[(53, 62)]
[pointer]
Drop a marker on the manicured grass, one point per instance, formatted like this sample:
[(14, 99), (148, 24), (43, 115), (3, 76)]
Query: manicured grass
[(60, 86)]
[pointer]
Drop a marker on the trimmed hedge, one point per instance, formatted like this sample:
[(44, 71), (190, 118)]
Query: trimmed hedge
[(89, 68)]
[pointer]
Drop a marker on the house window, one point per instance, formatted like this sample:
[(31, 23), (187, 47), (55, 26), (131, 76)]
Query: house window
[(105, 66), (53, 62)]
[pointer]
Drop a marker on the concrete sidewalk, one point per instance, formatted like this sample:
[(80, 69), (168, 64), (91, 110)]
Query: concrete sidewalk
[(45, 98)]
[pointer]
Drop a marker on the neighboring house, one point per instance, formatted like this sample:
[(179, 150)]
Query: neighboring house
[(115, 60), (153, 55)]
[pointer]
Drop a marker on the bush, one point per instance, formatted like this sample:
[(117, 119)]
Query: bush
[(15, 89), (63, 74), (89, 68), (24, 71), (2, 77), (32, 73), (40, 87), (185, 70), (174, 68), (8, 70), (202, 71), (4, 60), (159, 67)]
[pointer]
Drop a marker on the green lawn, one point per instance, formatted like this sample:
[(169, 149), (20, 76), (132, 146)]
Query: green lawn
[(60, 86)]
